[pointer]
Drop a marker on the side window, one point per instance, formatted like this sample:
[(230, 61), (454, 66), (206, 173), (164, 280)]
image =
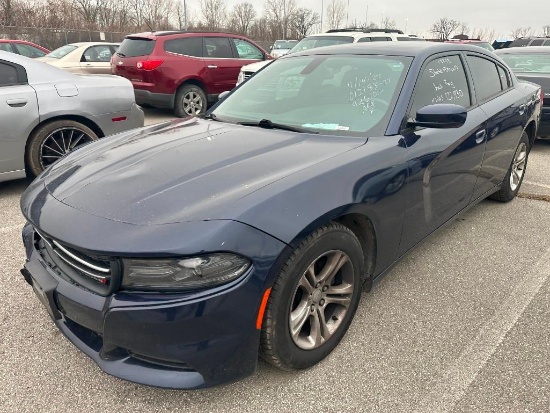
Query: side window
[(486, 77), (8, 75), (546, 43), (443, 80), (537, 42), (504, 77), (187, 46), (6, 47), (97, 54), (381, 39), (28, 51), (217, 47), (247, 50), (364, 40)]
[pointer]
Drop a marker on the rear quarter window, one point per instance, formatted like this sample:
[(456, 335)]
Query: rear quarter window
[(486, 77), (187, 46), (132, 47)]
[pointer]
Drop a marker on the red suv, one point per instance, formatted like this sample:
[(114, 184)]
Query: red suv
[(183, 71)]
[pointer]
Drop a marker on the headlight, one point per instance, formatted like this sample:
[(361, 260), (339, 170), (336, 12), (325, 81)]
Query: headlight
[(240, 79), (183, 274)]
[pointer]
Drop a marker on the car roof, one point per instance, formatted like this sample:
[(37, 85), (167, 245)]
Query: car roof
[(82, 44), (37, 71), (155, 35), (358, 34), (523, 49), (410, 49)]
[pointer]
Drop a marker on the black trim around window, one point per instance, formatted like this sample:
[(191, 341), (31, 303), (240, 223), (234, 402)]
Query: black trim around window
[(20, 71)]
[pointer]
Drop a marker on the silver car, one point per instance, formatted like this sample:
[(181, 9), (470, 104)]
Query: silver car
[(46, 112)]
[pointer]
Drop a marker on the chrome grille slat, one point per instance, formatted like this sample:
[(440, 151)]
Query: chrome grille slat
[(72, 264), (80, 260)]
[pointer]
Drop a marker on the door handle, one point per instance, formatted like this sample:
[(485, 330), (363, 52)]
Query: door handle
[(480, 136), (212, 66), (521, 109), (16, 103)]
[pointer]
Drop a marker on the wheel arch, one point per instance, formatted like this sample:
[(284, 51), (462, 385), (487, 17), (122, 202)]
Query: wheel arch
[(192, 81), (359, 223)]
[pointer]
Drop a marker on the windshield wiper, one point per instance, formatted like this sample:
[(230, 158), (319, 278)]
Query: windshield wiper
[(267, 124), (210, 116), (121, 54)]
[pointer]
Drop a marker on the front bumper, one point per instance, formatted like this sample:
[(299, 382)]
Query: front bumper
[(174, 340)]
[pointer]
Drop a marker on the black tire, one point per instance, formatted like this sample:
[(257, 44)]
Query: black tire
[(40, 155), (278, 346), (509, 190), (197, 101)]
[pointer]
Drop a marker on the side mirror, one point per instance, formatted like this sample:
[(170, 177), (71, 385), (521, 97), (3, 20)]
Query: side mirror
[(223, 95), (440, 116)]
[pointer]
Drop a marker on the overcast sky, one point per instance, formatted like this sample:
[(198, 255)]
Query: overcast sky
[(419, 15)]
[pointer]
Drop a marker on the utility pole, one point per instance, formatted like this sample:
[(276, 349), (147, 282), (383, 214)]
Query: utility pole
[(347, 16), (322, 11), (284, 19), (367, 17), (185, 15)]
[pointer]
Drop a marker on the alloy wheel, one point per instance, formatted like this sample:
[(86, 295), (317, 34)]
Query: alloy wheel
[(60, 142), (192, 103), (321, 300), (518, 166)]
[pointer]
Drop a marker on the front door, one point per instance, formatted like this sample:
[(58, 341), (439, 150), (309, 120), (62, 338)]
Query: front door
[(96, 60), (222, 68), (444, 163)]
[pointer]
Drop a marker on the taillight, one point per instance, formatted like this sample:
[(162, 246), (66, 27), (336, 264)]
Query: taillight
[(149, 64)]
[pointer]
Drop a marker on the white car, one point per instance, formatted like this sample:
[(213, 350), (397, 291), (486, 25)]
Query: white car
[(83, 58), (282, 47), (331, 38)]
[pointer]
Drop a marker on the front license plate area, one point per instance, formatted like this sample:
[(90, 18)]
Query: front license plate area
[(44, 286)]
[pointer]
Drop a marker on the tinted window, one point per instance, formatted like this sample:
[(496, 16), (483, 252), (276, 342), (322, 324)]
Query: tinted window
[(537, 42), (218, 47), (8, 75), (6, 47), (486, 77), (546, 43), (132, 47), (29, 51), (247, 50), (403, 39), (188, 46), (97, 54), (374, 39), (504, 78), (443, 80), (520, 43)]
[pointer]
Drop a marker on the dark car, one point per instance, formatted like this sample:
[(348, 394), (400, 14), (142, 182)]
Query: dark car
[(532, 64), (530, 41), (183, 71), (173, 255), (23, 48)]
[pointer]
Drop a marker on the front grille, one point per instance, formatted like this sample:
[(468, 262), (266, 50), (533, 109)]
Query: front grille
[(94, 273), (246, 75)]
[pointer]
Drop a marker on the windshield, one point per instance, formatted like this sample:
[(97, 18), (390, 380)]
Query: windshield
[(335, 95), (320, 41), (62, 51), (527, 63), (284, 44)]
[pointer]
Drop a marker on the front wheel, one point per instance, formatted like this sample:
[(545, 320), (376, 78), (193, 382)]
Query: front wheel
[(314, 299), (190, 101), (54, 140), (516, 172)]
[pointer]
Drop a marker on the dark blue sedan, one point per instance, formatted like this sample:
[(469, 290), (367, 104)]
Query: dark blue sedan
[(175, 254)]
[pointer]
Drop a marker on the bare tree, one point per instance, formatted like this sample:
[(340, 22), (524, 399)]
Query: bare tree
[(521, 32), (444, 27), (279, 14), (304, 20), (463, 29), (546, 30), (336, 12), (388, 23), (242, 17), (213, 13)]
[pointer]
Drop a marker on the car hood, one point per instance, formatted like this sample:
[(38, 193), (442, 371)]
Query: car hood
[(183, 171), (254, 67)]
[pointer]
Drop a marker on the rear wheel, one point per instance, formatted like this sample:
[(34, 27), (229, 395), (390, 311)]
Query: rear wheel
[(313, 300), (514, 177), (190, 101), (52, 141)]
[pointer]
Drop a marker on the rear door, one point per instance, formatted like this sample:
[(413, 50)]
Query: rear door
[(18, 115), (444, 163), (506, 114), (222, 66)]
